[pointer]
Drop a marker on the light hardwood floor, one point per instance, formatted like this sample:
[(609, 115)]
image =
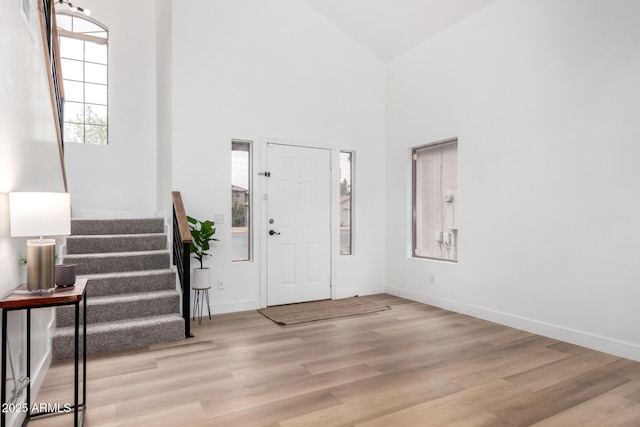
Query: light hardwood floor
[(414, 365)]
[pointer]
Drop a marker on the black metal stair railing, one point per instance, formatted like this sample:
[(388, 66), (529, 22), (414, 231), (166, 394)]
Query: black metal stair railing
[(52, 51), (182, 258)]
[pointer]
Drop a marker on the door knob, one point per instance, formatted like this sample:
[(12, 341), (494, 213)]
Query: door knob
[(271, 233)]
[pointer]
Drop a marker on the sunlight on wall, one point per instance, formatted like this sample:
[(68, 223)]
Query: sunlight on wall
[(8, 269)]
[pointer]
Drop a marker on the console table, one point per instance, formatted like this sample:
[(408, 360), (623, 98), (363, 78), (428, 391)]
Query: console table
[(20, 300)]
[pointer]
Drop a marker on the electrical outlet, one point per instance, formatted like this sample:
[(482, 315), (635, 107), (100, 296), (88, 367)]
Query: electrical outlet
[(432, 279), (446, 237), (220, 284)]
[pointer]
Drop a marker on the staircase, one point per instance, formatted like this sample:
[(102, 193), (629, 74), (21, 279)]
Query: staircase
[(132, 301)]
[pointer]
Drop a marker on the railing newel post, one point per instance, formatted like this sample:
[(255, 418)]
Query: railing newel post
[(186, 292)]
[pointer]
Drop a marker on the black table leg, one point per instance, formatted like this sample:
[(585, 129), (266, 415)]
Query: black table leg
[(28, 360), (76, 357), (3, 394), (84, 355)]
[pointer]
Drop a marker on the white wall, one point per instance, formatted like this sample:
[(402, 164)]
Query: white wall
[(164, 118), (29, 158), (119, 180), (543, 96), (251, 70)]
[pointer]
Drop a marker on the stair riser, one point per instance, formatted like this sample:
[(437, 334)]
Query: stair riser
[(112, 264), (122, 339), (129, 243), (131, 284), (116, 226), (99, 313)]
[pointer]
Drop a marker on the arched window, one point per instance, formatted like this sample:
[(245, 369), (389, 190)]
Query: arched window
[(83, 53)]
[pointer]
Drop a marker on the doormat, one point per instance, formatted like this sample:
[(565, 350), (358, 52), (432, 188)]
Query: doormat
[(292, 314)]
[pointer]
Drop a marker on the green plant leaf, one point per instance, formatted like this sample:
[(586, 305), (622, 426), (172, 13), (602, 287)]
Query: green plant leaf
[(202, 233)]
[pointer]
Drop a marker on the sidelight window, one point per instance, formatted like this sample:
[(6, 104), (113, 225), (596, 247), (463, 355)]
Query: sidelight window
[(346, 202), (240, 200)]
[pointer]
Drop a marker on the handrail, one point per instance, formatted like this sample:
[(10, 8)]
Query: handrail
[(48, 30), (182, 258), (183, 224)]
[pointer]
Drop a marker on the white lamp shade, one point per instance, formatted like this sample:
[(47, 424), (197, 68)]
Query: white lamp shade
[(40, 214)]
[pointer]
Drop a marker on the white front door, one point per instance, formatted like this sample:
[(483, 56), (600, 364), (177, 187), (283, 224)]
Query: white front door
[(299, 224)]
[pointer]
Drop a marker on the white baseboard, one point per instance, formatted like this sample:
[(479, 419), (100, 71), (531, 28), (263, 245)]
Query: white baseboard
[(351, 292), (233, 306), (254, 304), (585, 339), (40, 373)]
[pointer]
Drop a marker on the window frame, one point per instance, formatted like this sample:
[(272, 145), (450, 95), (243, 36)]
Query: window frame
[(414, 207), (352, 162), (250, 146), (91, 39)]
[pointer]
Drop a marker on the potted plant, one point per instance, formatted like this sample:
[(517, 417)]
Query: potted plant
[(201, 234)]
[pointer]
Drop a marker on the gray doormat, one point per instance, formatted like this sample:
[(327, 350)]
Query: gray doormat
[(292, 314)]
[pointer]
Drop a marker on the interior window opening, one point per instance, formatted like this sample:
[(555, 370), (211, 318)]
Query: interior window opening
[(435, 201)]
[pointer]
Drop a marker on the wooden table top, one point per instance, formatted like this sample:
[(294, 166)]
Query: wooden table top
[(21, 298)]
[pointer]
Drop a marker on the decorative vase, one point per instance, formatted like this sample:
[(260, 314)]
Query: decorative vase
[(65, 275), (201, 277)]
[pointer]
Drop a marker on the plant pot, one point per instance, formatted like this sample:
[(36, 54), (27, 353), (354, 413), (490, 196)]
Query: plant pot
[(201, 277), (65, 275)]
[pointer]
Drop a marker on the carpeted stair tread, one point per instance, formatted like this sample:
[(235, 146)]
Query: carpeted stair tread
[(110, 299), (82, 226), (118, 261), (121, 335), (87, 244), (117, 307), (128, 282), (115, 254)]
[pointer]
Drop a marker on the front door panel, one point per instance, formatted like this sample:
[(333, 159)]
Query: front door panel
[(299, 209)]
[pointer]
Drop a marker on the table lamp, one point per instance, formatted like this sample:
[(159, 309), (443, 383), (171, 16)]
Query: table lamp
[(40, 214)]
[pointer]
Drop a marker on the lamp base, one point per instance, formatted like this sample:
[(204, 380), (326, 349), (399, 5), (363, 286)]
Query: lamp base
[(41, 262)]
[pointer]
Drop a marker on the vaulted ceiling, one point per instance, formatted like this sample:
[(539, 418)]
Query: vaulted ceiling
[(388, 28)]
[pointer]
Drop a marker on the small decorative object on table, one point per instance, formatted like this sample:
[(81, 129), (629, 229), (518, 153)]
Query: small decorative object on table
[(65, 275)]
